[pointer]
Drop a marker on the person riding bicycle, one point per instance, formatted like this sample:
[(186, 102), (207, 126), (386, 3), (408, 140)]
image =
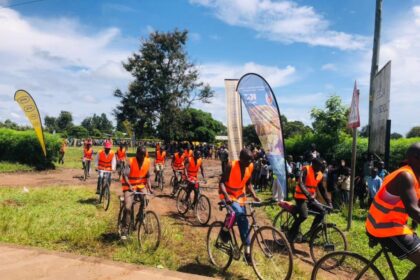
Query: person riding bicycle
[(397, 200), (136, 178), (105, 160), (121, 155), (160, 160), (233, 187), (192, 165), (310, 180), (177, 163), (87, 156)]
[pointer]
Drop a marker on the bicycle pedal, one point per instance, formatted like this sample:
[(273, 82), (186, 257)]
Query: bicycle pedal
[(329, 247)]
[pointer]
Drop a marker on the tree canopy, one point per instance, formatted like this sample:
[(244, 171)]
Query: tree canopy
[(414, 132), (96, 122)]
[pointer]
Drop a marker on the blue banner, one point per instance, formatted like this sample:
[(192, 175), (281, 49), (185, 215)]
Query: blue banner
[(263, 110)]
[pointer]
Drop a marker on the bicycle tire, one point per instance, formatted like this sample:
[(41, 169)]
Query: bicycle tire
[(345, 267), (283, 221), (222, 250), (160, 181), (201, 201), (271, 254), (106, 198), (182, 202), (145, 243), (120, 217), (85, 175), (332, 233)]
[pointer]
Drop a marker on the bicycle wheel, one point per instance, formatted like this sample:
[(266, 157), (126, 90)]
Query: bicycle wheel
[(220, 252), (160, 180), (271, 255), (183, 201), (149, 232), (85, 173), (345, 265), (202, 210), (326, 239), (106, 198), (120, 217)]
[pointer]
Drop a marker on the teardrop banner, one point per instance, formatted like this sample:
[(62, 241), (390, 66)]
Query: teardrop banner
[(264, 112), (28, 105)]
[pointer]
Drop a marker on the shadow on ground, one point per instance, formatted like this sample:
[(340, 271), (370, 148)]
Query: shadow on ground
[(91, 201)]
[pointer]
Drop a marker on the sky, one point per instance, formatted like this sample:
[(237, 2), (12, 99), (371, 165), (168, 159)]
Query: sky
[(68, 53)]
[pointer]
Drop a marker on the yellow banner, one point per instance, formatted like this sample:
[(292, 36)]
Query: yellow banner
[(27, 103)]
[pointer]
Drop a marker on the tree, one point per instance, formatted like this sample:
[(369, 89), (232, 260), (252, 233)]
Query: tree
[(78, 132), (396, 135), (414, 132), (100, 123), (64, 121), (165, 83), (249, 135), (50, 124), (293, 128)]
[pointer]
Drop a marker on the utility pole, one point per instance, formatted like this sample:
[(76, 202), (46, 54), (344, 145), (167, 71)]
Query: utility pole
[(375, 60)]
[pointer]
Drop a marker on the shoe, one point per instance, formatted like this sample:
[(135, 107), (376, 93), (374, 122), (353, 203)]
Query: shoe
[(248, 259), (97, 191), (124, 234)]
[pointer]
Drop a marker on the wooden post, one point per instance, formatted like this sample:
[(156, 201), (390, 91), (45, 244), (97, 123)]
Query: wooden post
[(353, 172)]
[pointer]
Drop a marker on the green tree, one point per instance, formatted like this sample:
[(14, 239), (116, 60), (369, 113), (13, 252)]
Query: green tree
[(396, 135), (99, 122), (64, 121), (414, 132), (50, 124), (165, 82), (78, 132), (249, 135)]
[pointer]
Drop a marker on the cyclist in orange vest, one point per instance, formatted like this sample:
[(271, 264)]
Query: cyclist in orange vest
[(310, 180), (121, 155), (233, 187), (192, 166), (160, 159), (136, 178), (397, 200), (105, 160), (87, 156), (178, 161)]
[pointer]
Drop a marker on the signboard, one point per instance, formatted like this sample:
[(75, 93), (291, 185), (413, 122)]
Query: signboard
[(380, 110), (234, 119), (354, 117)]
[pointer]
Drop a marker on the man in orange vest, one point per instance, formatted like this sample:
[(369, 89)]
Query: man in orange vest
[(177, 163), (233, 187), (310, 180), (160, 159), (192, 165), (105, 160), (397, 200), (87, 156), (136, 178)]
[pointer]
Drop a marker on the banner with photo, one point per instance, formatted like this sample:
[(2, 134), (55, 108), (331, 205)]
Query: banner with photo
[(264, 112), (234, 119), (27, 103)]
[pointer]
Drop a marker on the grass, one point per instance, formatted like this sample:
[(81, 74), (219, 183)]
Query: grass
[(6, 167), (357, 239)]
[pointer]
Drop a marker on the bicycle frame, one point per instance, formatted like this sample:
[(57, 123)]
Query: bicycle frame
[(373, 260)]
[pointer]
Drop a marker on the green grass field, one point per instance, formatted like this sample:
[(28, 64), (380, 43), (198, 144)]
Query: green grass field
[(14, 167)]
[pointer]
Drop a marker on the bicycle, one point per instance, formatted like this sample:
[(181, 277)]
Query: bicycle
[(324, 238), (353, 265), (160, 179), (146, 223), (104, 195), (86, 168), (271, 254), (120, 168), (202, 206), (177, 180)]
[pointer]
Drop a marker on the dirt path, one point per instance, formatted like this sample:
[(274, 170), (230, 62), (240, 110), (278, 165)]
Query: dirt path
[(23, 263)]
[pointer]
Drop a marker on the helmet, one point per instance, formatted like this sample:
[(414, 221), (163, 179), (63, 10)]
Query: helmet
[(107, 145)]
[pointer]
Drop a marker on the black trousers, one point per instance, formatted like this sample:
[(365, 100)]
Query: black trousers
[(302, 207)]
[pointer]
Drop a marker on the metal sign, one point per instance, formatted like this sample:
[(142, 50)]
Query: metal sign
[(354, 116)]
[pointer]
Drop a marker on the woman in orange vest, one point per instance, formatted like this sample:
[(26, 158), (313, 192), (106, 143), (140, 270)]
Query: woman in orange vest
[(396, 201), (87, 156), (192, 166), (105, 160), (136, 178), (233, 187), (310, 180)]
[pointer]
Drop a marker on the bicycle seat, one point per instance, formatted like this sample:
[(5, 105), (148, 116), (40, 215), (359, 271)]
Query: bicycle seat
[(287, 206)]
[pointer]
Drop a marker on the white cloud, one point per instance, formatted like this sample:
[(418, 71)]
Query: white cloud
[(216, 73), (195, 36), (283, 21), (329, 67), (62, 65)]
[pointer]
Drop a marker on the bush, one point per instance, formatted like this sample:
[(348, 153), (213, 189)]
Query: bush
[(23, 147)]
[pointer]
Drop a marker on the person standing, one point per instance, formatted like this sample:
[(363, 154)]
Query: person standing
[(224, 157), (374, 183), (382, 172)]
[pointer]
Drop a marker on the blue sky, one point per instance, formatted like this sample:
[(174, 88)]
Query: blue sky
[(68, 53)]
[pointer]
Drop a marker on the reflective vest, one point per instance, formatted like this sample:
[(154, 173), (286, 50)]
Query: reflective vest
[(193, 168), (138, 175), (188, 153), (160, 157), (387, 220), (104, 161), (311, 183), (236, 186), (178, 161), (121, 154), (87, 154)]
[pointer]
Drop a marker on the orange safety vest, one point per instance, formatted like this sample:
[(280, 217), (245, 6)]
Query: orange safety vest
[(87, 154), (121, 154), (311, 183), (193, 168), (387, 220), (236, 186), (160, 157), (137, 176), (105, 162), (178, 162)]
